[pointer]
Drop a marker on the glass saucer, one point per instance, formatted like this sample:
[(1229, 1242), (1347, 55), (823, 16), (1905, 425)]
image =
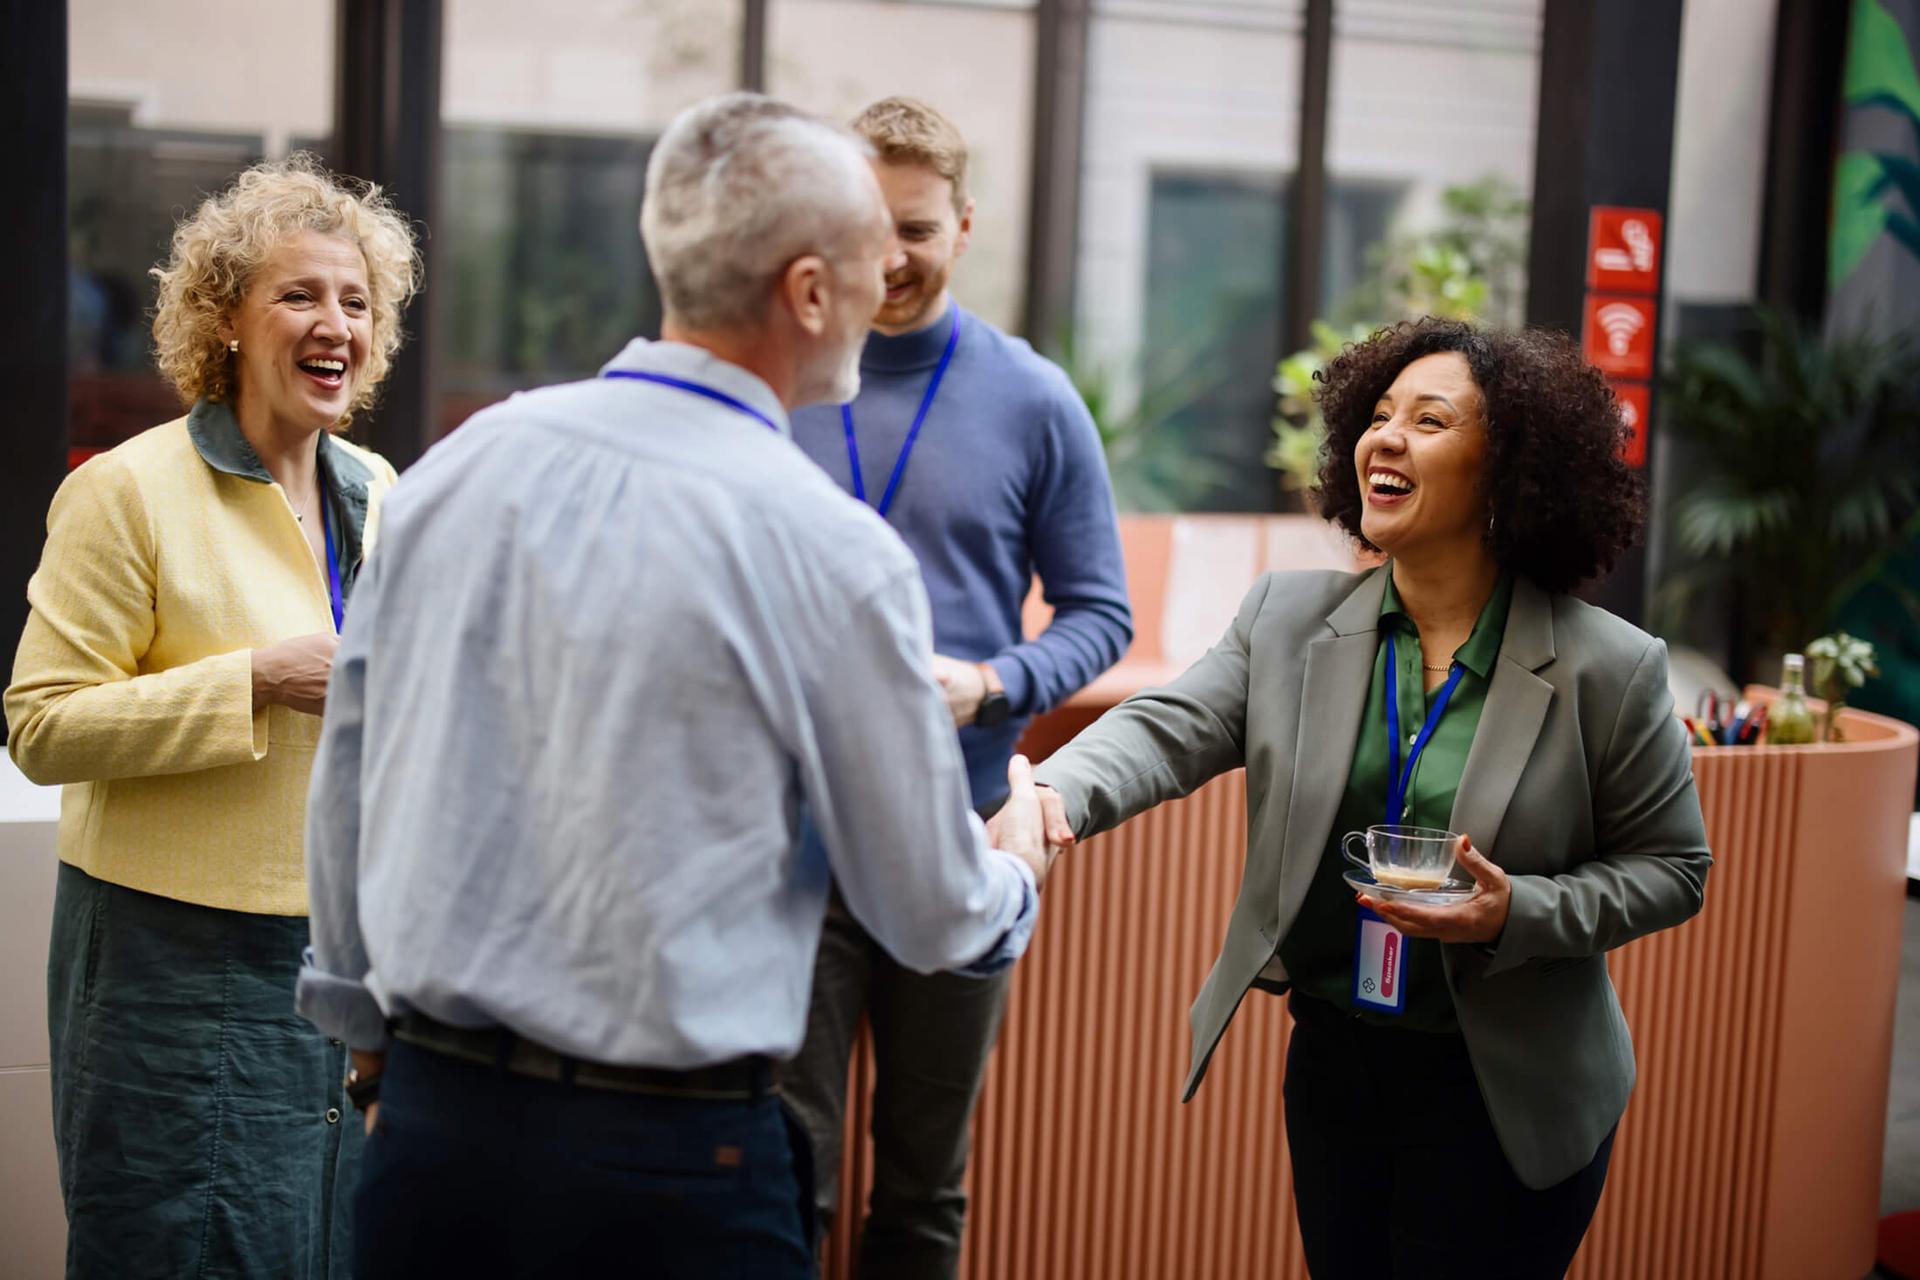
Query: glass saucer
[(1451, 891)]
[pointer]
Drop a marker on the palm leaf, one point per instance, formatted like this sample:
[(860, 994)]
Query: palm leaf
[(1858, 217), (1717, 520), (1897, 171), (1905, 230), (1880, 68)]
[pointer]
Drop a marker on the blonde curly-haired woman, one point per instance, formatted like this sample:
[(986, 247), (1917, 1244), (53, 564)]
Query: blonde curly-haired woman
[(172, 674)]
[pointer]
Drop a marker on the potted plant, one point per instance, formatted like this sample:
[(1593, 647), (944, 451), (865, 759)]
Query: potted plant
[(1805, 479), (1840, 664)]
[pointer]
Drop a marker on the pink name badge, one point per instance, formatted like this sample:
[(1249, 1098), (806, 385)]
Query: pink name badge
[(1379, 965)]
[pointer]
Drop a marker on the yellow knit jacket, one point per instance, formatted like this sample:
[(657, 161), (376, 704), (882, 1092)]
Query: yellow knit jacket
[(167, 560)]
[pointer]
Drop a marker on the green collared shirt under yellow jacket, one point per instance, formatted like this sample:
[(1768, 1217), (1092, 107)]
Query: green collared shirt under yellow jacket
[(168, 559)]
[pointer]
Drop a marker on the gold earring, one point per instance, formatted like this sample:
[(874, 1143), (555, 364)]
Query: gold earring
[(233, 345)]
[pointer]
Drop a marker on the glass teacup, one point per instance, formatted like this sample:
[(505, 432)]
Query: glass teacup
[(1404, 857)]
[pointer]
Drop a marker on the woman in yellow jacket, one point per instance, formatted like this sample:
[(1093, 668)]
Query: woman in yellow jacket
[(172, 674)]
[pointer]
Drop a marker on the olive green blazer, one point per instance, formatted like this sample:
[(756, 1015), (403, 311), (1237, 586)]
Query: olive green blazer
[(1579, 785)]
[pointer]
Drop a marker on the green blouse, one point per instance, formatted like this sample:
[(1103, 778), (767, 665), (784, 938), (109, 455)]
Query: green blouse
[(1318, 949)]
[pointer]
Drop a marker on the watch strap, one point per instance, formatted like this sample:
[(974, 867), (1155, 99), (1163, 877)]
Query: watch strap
[(994, 707), (364, 1090)]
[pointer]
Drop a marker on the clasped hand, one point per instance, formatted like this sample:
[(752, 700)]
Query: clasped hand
[(963, 685), (1480, 918), (294, 673), (1032, 825)]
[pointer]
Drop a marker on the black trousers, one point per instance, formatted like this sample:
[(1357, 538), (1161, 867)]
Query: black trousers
[(1397, 1174), (472, 1171), (932, 1036)]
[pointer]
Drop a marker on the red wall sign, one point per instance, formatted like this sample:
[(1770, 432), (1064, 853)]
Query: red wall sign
[(1618, 335), (1633, 408), (1623, 249)]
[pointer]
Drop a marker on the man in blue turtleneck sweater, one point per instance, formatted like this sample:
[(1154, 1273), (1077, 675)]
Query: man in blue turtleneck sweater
[(984, 459)]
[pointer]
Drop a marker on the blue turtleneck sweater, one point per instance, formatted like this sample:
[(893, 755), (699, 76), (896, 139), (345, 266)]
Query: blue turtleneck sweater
[(1006, 480)]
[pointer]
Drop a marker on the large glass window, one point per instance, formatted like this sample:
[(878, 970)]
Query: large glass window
[(1214, 277), (550, 113), (1192, 125), (1193, 121), (971, 59), (1431, 109), (154, 127)]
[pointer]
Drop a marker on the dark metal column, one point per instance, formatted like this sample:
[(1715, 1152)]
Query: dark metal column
[(1307, 207), (1608, 71), (33, 324), (386, 115), (1053, 210), (1803, 135), (753, 45)]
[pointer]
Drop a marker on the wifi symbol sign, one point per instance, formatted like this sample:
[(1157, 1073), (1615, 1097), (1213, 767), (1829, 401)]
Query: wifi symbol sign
[(1619, 335), (1620, 321)]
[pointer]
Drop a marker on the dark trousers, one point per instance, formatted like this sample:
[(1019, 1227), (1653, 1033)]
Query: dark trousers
[(473, 1171), (1397, 1174), (932, 1035)]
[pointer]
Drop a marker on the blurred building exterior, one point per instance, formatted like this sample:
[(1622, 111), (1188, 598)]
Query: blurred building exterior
[(1170, 192)]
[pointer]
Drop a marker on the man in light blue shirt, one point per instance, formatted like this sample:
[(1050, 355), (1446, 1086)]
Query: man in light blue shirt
[(616, 635)]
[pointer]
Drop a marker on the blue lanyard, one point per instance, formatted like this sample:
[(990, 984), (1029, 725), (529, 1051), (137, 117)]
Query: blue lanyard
[(335, 596), (1399, 780), (913, 432), (698, 389)]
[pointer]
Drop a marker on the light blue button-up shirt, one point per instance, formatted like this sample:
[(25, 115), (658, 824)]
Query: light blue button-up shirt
[(614, 636)]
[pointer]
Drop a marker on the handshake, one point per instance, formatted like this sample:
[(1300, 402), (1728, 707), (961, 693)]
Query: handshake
[(1032, 824)]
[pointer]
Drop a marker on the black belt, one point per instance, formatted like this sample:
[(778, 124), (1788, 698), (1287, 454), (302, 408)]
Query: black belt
[(1399, 1042), (741, 1080)]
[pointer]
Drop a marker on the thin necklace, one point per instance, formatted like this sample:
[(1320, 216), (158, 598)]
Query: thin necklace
[(301, 514), (1445, 666)]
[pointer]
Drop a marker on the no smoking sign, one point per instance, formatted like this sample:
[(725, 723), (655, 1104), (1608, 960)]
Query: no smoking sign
[(1623, 250)]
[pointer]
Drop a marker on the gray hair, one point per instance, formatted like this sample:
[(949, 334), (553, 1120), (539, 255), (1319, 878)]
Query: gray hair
[(738, 187)]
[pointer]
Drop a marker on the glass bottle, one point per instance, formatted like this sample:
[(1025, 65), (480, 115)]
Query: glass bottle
[(1791, 721)]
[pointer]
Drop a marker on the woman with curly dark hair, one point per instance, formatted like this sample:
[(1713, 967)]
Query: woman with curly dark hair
[(1458, 1060)]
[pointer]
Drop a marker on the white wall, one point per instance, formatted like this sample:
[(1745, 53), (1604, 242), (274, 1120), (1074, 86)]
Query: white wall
[(207, 64), (593, 66), (1203, 87), (1719, 150), (33, 1226), (1419, 93)]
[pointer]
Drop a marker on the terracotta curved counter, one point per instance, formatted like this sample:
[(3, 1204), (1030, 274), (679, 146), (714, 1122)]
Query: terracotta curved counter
[(1764, 1032)]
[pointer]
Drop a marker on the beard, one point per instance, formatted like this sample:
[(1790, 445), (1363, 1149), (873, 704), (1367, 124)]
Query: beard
[(833, 377), (917, 307), (845, 386)]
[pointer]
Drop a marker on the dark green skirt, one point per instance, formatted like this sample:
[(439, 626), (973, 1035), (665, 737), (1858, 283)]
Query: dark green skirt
[(202, 1126)]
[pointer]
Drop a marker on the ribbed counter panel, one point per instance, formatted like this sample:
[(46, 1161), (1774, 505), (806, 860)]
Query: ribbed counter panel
[(1763, 1031)]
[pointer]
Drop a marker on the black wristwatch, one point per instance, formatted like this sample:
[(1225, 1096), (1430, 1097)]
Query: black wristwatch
[(364, 1090), (994, 708)]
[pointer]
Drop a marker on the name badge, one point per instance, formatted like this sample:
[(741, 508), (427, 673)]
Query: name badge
[(1379, 965)]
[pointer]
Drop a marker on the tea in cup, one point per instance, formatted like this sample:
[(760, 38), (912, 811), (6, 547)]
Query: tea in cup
[(1404, 857)]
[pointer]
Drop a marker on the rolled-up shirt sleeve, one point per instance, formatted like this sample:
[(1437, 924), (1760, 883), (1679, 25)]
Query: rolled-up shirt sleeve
[(889, 795), (332, 990)]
